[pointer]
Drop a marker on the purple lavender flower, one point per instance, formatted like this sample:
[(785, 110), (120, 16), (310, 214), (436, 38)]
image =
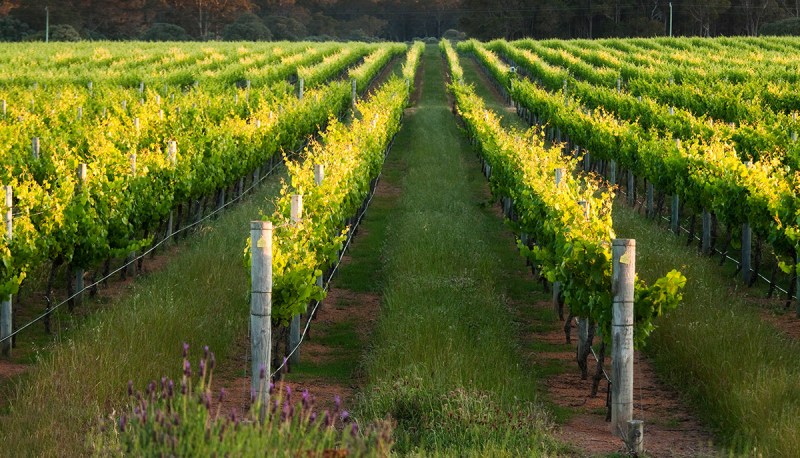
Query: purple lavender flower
[(288, 392), (262, 371), (170, 388), (271, 388), (183, 387), (130, 387), (286, 413), (345, 415), (337, 402), (221, 394), (163, 383), (205, 352), (187, 368), (202, 368), (123, 420), (252, 395), (354, 429), (212, 362), (313, 417), (207, 401), (306, 400), (327, 418), (185, 349)]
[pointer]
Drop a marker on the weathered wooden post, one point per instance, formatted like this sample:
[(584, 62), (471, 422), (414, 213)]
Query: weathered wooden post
[(558, 176), (5, 108), (35, 147), (172, 153), (676, 211), (631, 188), (747, 244), (353, 93), (635, 439), (706, 239), (260, 310), (623, 271), (78, 279), (300, 88), (6, 327), (133, 165), (80, 113), (583, 322), (612, 173), (619, 85), (319, 176), (294, 327)]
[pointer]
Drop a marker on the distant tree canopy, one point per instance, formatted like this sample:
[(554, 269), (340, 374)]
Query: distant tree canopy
[(248, 27), (397, 19), (165, 32)]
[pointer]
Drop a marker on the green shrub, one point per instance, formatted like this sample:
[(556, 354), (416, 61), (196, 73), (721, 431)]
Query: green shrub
[(161, 31)]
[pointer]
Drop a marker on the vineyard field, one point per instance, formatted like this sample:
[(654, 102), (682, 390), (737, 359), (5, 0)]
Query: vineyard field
[(471, 248)]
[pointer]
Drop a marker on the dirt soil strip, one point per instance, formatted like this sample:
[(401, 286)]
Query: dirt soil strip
[(670, 430)]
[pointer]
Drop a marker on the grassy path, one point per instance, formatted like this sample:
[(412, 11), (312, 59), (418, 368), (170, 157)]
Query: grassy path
[(200, 297), (444, 360)]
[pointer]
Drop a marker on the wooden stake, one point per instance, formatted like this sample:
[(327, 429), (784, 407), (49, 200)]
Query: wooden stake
[(6, 314), (261, 309), (133, 164), (353, 94), (635, 439), (172, 151), (612, 174), (294, 327), (747, 244), (35, 147), (300, 88), (623, 271), (675, 218), (319, 174), (78, 279), (559, 175), (706, 239), (631, 188)]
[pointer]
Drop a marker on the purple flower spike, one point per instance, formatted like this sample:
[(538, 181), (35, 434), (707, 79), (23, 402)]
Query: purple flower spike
[(123, 420), (170, 388), (345, 415), (212, 362), (185, 349), (262, 371), (313, 417), (205, 352), (183, 387), (288, 392), (202, 368), (221, 394), (306, 399), (252, 395), (187, 368), (163, 382), (354, 429), (271, 388), (326, 418), (337, 402), (130, 387)]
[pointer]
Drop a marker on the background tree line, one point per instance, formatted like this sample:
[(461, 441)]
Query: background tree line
[(390, 19)]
